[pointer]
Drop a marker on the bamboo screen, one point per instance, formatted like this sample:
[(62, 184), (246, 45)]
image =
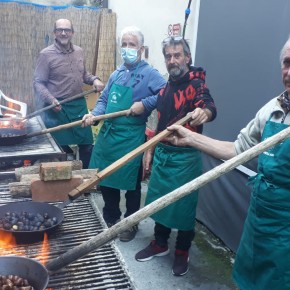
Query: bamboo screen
[(27, 28)]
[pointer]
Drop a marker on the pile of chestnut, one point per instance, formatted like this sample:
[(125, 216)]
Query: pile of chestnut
[(25, 221), (13, 282)]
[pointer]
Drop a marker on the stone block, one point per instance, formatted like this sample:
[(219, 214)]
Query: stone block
[(53, 171), (54, 190)]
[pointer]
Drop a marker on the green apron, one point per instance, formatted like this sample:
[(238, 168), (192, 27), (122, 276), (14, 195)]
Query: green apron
[(118, 137), (172, 168), (263, 257), (70, 112)]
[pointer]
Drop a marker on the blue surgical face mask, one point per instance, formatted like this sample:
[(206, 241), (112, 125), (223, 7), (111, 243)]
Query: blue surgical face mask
[(129, 55)]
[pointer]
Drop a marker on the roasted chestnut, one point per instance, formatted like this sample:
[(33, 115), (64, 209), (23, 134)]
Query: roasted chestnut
[(25, 221)]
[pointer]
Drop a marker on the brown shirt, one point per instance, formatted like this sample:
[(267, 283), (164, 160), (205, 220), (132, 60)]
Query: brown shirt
[(59, 73)]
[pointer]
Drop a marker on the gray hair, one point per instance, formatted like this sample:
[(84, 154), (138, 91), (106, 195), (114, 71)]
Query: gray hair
[(135, 31), (283, 50), (176, 40)]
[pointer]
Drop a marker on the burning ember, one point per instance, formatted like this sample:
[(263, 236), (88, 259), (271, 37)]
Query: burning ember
[(12, 123)]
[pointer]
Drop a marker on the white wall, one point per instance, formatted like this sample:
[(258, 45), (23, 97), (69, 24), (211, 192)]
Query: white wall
[(153, 18)]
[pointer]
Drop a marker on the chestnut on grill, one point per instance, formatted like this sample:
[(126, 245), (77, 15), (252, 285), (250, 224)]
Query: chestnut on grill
[(25, 221)]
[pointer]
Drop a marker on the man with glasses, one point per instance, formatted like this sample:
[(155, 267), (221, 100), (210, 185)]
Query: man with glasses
[(60, 73), (134, 82), (173, 166)]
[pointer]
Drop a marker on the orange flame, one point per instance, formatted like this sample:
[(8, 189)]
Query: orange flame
[(43, 255), (7, 243), (8, 246)]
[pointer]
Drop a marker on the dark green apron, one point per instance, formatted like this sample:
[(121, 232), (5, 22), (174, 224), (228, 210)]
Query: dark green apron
[(118, 137), (263, 258), (70, 112), (172, 168)]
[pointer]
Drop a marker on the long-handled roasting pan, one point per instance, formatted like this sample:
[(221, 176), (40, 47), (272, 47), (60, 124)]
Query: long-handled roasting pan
[(14, 130)]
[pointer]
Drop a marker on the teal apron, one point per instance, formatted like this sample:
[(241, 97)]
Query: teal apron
[(263, 257), (172, 168), (118, 137), (70, 112)]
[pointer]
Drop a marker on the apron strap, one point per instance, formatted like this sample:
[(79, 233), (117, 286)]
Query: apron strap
[(132, 79)]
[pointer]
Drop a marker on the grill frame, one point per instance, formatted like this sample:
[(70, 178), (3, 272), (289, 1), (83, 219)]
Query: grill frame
[(101, 269)]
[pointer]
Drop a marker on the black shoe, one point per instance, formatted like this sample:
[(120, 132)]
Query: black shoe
[(129, 234), (151, 251), (180, 264)]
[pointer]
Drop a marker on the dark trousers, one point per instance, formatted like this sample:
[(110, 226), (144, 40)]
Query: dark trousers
[(85, 152), (112, 197), (183, 239)]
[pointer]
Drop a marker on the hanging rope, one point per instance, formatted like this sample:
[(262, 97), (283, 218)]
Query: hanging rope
[(187, 12)]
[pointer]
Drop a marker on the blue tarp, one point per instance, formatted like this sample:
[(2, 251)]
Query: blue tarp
[(55, 7)]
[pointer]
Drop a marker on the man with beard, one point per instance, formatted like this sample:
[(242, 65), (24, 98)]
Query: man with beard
[(59, 74), (262, 259), (173, 166)]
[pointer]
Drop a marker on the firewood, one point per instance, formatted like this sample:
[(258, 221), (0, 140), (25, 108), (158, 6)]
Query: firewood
[(85, 173), (35, 169), (26, 170), (20, 189)]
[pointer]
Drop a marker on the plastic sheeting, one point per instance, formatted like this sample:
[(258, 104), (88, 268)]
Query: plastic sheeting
[(223, 204), (55, 7), (238, 44)]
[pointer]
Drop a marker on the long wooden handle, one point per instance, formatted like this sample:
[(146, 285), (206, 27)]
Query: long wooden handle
[(78, 123), (124, 160), (60, 102), (111, 233)]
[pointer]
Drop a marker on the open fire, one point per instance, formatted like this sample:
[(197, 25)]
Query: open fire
[(14, 278), (100, 269), (8, 246)]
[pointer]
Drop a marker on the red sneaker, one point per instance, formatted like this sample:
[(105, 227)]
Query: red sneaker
[(151, 251)]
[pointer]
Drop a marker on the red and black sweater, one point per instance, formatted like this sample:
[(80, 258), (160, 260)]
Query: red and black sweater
[(182, 96)]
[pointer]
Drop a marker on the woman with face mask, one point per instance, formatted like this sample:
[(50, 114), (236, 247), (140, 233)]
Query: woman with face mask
[(133, 82)]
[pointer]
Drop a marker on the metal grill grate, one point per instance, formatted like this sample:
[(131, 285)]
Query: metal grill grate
[(101, 269), (42, 147)]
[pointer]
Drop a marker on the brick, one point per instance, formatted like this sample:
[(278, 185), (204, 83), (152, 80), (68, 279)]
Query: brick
[(52, 171), (56, 190)]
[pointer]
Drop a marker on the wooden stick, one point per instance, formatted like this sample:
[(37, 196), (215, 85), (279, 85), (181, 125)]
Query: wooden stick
[(122, 161), (111, 233), (77, 123), (60, 102)]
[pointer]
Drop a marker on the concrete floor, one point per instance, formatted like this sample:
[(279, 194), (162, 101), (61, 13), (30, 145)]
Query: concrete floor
[(210, 261)]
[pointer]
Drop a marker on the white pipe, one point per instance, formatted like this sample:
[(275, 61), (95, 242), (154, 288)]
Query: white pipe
[(195, 30)]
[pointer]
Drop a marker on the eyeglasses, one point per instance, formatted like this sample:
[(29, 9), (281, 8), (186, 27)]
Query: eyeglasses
[(65, 30), (175, 40), (172, 38)]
